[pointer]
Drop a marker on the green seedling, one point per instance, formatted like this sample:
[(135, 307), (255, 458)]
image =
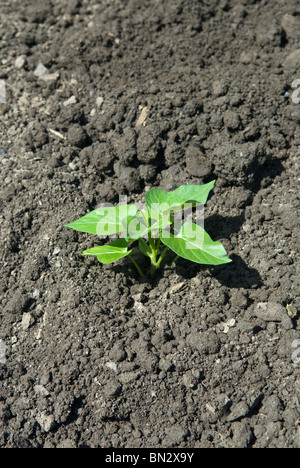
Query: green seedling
[(154, 230)]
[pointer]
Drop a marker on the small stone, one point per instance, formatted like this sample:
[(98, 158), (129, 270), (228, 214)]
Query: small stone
[(196, 281), (206, 342), (238, 411), (20, 62), (165, 365), (219, 407), (71, 100), (270, 311), (40, 70), (175, 435), (66, 444), (50, 76), (210, 408), (271, 328), (36, 294), (143, 116), (41, 390), (112, 389), (291, 26), (77, 136), (176, 288), (242, 435), (248, 57), (117, 353), (27, 320), (292, 60), (111, 365), (46, 422), (232, 120), (295, 115), (287, 322), (273, 407), (273, 428), (191, 379), (219, 88), (229, 324), (128, 377), (137, 297), (197, 163), (46, 378), (99, 101), (178, 311), (17, 303)]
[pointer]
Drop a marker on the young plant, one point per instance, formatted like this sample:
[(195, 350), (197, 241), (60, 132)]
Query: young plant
[(154, 229)]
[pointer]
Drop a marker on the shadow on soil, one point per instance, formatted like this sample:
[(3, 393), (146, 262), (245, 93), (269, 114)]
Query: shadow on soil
[(219, 226), (233, 275)]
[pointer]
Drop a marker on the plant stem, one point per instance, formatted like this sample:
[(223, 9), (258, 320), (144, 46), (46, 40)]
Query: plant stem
[(161, 256), (136, 266), (174, 260), (152, 271), (153, 249), (146, 248)]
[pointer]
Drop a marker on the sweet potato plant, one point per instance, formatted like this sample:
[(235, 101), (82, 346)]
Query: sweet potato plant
[(154, 229)]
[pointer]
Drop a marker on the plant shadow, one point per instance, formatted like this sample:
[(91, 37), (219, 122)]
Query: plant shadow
[(232, 275), (223, 226), (238, 275)]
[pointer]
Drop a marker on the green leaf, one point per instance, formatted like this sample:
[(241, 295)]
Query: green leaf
[(144, 247), (137, 226), (160, 200), (193, 243), (111, 252), (104, 221)]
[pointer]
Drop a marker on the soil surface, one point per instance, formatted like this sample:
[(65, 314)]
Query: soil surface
[(107, 98)]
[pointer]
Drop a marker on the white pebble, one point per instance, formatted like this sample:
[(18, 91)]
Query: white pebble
[(40, 389), (99, 101), (20, 62), (71, 100), (40, 70), (46, 422), (231, 322), (27, 320), (111, 365)]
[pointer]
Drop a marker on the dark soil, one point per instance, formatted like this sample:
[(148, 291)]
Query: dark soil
[(95, 357)]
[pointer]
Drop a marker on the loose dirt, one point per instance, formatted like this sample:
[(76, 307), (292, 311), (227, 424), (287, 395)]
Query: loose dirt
[(108, 98)]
